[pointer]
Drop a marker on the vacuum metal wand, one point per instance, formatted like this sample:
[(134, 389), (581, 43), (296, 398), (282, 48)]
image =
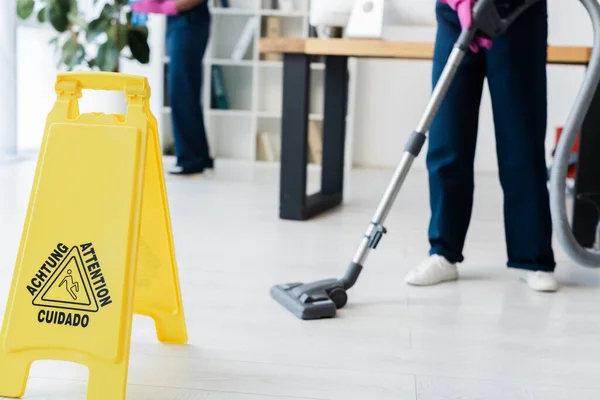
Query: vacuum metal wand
[(413, 147)]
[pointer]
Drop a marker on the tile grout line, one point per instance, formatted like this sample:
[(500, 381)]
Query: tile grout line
[(274, 396), (416, 391), (269, 363)]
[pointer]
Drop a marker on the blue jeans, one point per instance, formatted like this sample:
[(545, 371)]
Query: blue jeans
[(187, 38), (515, 69)]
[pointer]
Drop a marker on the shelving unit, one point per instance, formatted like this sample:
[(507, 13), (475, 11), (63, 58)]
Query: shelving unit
[(253, 85)]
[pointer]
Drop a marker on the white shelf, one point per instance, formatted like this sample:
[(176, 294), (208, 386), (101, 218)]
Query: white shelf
[(220, 113), (232, 11), (277, 115), (279, 64), (253, 86), (268, 115), (229, 113), (283, 14), (231, 62)]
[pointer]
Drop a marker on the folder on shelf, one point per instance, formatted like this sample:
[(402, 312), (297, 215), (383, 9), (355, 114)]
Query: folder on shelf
[(245, 39), (265, 148), (219, 94)]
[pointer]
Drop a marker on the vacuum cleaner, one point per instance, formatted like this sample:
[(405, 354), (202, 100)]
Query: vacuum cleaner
[(563, 159), (322, 299)]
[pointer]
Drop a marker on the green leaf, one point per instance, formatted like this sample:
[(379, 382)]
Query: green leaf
[(142, 29), (97, 27), (108, 11), (42, 15), (69, 52), (77, 20), (25, 8), (122, 38), (80, 55), (138, 43), (108, 56), (57, 14), (65, 4)]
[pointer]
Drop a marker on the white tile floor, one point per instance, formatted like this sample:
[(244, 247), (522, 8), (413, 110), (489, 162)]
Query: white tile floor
[(484, 337)]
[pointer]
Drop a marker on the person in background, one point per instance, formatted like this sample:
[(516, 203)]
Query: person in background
[(515, 68), (188, 31)]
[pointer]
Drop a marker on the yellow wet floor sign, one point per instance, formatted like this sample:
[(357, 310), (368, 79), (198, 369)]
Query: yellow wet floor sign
[(96, 245)]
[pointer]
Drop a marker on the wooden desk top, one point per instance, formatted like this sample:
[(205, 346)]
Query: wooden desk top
[(399, 50)]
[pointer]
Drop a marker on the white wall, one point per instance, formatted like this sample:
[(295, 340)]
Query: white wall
[(7, 74), (382, 125), (35, 84)]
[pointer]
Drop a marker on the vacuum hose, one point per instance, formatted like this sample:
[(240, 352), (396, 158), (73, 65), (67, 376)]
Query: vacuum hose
[(564, 147)]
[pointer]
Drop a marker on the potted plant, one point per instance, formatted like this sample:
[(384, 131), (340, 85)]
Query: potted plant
[(95, 38), (92, 35)]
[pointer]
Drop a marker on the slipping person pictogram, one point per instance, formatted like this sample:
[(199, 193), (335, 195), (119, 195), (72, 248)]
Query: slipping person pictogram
[(71, 287)]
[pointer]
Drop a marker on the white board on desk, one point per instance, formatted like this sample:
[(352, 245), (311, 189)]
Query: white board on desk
[(419, 13)]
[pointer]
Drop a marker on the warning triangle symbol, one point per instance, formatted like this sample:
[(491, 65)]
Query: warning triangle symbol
[(69, 287)]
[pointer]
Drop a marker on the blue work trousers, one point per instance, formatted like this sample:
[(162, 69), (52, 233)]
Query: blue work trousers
[(187, 39), (515, 69)]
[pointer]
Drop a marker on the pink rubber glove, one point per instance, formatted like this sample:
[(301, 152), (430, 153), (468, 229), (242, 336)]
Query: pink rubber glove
[(167, 7), (464, 9)]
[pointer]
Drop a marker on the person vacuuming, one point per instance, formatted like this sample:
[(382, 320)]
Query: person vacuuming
[(188, 32), (515, 67), (451, 158)]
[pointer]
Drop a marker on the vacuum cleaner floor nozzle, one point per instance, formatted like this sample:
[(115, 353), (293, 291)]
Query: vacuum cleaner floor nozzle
[(315, 300)]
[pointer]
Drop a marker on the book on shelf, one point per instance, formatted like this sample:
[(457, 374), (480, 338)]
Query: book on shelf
[(266, 148), (244, 40), (315, 143), (219, 94), (272, 31)]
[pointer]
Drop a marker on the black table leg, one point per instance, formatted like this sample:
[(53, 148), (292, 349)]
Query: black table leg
[(294, 203), (334, 125), (585, 216), (294, 137)]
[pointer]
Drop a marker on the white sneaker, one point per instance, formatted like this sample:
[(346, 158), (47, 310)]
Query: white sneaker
[(541, 281), (433, 270)]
